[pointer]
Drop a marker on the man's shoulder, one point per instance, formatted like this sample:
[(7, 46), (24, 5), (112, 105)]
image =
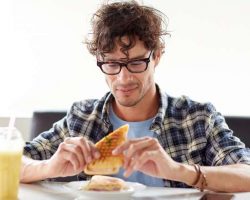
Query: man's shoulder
[(186, 105), (86, 105), (89, 106)]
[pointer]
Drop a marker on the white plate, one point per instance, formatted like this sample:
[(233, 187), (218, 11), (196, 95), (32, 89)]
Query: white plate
[(52, 187), (77, 185)]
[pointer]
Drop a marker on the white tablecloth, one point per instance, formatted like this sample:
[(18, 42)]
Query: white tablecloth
[(57, 191)]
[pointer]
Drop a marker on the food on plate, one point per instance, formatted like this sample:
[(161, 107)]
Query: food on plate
[(105, 183), (108, 164)]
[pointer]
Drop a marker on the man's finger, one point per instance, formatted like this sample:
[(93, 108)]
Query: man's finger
[(95, 153), (140, 146), (123, 147), (130, 167), (145, 157), (76, 151), (71, 158)]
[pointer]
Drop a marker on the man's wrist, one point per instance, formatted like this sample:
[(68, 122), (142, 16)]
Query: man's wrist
[(185, 173), (34, 170), (45, 168)]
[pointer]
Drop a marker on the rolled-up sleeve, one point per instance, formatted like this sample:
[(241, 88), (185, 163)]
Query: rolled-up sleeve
[(223, 148), (45, 145)]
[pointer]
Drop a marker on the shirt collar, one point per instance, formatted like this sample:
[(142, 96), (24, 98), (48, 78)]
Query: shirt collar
[(159, 118)]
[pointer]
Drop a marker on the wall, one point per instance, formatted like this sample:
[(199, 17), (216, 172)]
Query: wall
[(46, 66), (22, 124)]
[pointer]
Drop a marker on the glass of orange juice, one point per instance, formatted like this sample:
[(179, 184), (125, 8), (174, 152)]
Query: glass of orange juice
[(11, 148)]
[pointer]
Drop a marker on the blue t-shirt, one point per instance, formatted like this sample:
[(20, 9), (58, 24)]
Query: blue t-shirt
[(136, 130)]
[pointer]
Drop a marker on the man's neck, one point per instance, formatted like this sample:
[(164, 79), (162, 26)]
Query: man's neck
[(145, 109)]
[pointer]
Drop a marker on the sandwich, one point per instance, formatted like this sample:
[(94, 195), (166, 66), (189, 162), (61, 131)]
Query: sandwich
[(108, 164), (105, 183)]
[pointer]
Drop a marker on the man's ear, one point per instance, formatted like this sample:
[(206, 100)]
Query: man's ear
[(157, 56)]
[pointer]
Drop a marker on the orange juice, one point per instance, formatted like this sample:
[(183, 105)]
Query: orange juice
[(9, 174), (11, 148)]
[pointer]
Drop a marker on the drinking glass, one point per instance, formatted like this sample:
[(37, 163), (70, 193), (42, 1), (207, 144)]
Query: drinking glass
[(11, 148)]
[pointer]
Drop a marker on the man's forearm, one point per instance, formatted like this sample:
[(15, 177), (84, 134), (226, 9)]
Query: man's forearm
[(227, 178), (33, 170)]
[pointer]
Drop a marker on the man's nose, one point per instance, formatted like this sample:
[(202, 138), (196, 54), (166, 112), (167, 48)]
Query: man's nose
[(124, 73)]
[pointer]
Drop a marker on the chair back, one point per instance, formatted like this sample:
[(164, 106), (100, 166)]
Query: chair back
[(240, 127), (43, 120)]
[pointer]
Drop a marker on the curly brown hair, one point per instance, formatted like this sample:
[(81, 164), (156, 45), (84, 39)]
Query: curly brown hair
[(115, 20)]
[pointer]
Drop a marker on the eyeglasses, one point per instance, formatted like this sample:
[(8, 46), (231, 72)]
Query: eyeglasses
[(133, 66)]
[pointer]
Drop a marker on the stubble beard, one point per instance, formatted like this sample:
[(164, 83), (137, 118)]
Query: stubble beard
[(127, 101)]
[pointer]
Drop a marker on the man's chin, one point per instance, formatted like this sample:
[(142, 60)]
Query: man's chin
[(127, 103)]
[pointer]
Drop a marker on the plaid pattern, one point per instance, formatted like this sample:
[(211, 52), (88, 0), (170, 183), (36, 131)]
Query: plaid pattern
[(189, 131)]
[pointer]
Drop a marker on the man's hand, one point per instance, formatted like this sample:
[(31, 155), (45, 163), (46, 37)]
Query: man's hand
[(71, 157), (146, 155)]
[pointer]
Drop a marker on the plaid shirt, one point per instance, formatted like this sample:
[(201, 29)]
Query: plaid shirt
[(190, 132)]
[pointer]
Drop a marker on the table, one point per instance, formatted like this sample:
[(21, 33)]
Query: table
[(56, 191)]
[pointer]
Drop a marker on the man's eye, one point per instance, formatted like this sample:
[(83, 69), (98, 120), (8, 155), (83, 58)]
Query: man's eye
[(136, 63), (112, 65)]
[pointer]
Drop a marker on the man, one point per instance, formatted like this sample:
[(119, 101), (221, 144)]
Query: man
[(173, 142)]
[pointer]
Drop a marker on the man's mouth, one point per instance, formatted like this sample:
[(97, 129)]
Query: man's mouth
[(126, 89)]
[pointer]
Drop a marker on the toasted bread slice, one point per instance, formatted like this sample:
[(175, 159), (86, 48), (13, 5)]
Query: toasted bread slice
[(105, 183), (108, 164)]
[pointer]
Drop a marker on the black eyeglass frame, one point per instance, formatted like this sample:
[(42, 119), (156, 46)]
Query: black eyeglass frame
[(125, 64)]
